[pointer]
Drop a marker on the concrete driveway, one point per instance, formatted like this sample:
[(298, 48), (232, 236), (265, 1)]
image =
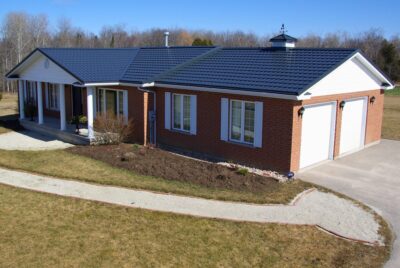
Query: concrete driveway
[(371, 176)]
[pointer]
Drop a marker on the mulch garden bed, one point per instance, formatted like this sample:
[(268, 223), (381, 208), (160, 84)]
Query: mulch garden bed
[(160, 163)]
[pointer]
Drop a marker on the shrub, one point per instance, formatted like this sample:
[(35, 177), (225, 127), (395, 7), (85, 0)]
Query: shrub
[(78, 120), (111, 129), (242, 171), (1, 95)]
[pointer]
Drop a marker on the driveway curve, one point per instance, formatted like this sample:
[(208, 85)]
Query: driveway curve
[(325, 210), (371, 176)]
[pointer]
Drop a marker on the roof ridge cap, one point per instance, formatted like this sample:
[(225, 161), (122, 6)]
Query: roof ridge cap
[(186, 63), (129, 64)]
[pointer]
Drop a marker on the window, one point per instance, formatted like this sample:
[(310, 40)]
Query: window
[(30, 91), (181, 112), (53, 97), (242, 121), (111, 101)]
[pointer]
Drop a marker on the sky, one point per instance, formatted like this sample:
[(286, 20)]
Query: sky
[(259, 17)]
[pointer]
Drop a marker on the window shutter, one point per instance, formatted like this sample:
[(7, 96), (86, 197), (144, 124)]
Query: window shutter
[(224, 119), (258, 124), (193, 114), (167, 112)]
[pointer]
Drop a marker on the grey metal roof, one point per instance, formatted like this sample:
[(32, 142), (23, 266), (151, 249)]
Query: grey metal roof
[(93, 65), (283, 37), (153, 61), (272, 70)]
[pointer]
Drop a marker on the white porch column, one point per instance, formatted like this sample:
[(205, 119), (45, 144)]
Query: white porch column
[(21, 99), (125, 105), (63, 119), (40, 102), (90, 111), (94, 103)]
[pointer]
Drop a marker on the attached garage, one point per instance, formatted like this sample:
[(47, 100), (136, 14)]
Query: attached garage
[(352, 133), (318, 132)]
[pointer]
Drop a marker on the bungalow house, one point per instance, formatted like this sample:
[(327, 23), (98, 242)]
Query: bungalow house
[(280, 107)]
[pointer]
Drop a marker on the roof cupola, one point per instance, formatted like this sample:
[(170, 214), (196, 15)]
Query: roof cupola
[(283, 40)]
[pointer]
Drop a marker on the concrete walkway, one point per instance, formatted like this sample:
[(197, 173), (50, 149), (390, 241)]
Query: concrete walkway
[(371, 176), (325, 210), (29, 140)]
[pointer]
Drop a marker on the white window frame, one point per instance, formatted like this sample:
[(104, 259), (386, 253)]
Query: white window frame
[(182, 116), (104, 104), (242, 118), (56, 88)]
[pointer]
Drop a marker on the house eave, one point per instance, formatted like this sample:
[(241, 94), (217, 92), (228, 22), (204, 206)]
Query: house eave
[(231, 91)]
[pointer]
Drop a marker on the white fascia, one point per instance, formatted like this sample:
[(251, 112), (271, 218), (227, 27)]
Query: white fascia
[(306, 95), (230, 91)]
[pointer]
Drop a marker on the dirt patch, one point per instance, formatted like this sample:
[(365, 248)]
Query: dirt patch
[(159, 163)]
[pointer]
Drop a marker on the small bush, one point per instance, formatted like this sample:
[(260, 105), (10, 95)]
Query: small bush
[(111, 129), (1, 95), (242, 171)]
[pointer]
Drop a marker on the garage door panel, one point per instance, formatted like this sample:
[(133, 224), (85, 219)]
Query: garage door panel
[(353, 125), (316, 135)]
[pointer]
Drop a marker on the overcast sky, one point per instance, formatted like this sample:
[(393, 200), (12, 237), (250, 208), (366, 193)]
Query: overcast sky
[(260, 17)]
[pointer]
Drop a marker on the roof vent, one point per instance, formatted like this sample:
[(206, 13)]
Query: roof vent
[(283, 40), (166, 34)]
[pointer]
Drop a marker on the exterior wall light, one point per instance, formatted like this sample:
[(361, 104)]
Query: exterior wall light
[(342, 104), (372, 99), (300, 112)]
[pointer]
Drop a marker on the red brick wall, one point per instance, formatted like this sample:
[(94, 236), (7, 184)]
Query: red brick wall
[(373, 125), (277, 129)]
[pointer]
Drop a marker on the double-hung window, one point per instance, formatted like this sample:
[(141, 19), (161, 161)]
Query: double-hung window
[(110, 101), (53, 97), (242, 121), (181, 112)]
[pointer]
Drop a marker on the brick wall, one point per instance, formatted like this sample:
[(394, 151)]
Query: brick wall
[(277, 129)]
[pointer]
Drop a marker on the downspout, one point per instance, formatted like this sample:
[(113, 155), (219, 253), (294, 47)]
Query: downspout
[(154, 110)]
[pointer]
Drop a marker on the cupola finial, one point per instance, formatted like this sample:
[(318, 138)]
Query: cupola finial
[(283, 30)]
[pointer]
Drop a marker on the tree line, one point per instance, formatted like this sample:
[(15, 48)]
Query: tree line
[(20, 33)]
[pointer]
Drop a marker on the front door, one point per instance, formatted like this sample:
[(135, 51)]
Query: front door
[(77, 101)]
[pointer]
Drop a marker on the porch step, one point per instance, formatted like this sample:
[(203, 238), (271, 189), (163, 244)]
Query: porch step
[(55, 133)]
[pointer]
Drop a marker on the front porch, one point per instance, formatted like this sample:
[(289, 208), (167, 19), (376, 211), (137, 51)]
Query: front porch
[(53, 106), (51, 127)]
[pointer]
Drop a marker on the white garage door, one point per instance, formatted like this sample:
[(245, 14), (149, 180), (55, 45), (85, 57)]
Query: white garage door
[(352, 132), (317, 133)]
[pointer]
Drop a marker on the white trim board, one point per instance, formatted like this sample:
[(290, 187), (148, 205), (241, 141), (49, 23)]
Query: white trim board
[(354, 75), (38, 67)]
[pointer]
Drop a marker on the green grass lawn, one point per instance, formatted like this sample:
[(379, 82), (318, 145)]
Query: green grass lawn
[(393, 92), (391, 115), (63, 164), (42, 230)]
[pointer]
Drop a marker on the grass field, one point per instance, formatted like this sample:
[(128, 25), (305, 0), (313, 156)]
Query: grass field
[(50, 231), (8, 109), (391, 115)]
